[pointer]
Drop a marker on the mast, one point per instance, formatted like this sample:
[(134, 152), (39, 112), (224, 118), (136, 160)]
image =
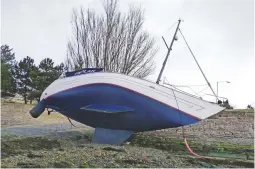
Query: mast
[(168, 52)]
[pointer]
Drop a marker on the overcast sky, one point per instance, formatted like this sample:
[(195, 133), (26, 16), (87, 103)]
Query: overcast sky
[(220, 33)]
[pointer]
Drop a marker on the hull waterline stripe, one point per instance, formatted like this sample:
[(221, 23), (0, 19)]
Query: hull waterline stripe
[(91, 84)]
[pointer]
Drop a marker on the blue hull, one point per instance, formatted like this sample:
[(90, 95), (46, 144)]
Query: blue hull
[(148, 114)]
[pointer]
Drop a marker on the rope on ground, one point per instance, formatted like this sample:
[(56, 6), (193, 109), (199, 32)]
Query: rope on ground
[(183, 134), (71, 122), (49, 111)]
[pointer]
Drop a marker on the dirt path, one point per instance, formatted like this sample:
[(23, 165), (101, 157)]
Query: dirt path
[(36, 130), (16, 114), (15, 119)]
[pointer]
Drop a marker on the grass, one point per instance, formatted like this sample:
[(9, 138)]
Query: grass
[(214, 162), (219, 149), (16, 146), (178, 146), (240, 110), (142, 152)]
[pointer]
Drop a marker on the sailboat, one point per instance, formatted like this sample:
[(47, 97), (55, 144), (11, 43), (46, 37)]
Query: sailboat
[(118, 105)]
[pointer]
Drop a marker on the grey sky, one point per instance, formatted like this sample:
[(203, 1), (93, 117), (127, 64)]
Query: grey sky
[(220, 33)]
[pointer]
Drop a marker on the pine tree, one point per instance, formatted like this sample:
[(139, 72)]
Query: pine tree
[(48, 73), (24, 72), (7, 62), (44, 76)]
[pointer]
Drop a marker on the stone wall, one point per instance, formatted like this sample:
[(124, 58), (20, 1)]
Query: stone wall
[(228, 126)]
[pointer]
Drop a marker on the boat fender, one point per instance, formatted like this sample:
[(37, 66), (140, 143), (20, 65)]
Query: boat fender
[(38, 109)]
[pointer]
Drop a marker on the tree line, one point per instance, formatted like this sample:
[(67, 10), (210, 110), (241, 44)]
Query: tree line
[(25, 77)]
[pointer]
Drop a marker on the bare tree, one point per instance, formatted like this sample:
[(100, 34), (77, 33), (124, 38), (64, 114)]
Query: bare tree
[(112, 40)]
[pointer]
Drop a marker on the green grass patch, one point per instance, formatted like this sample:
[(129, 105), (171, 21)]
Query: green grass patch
[(177, 146), (240, 110), (214, 162), (89, 133), (17, 146)]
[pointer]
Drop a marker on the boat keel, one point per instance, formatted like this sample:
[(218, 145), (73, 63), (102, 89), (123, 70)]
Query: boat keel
[(109, 136)]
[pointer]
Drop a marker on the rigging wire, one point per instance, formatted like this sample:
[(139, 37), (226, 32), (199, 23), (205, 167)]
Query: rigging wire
[(166, 31), (192, 90), (190, 85), (171, 26), (198, 64), (202, 90), (176, 87)]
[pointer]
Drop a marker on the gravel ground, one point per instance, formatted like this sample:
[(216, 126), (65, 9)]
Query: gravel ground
[(73, 149)]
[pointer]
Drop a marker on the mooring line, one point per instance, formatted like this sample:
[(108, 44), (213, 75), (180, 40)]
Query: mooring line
[(183, 134), (71, 122)]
